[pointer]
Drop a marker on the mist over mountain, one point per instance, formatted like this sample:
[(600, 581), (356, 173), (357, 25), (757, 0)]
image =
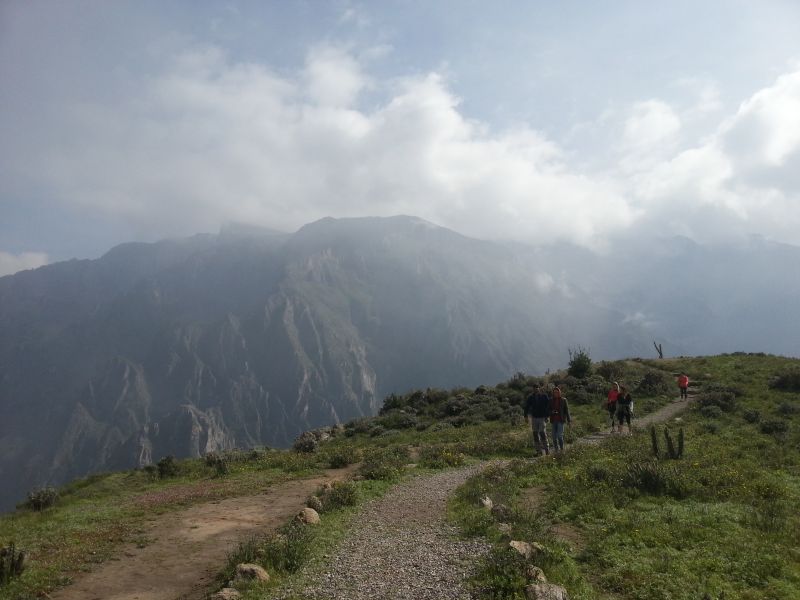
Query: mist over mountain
[(250, 336)]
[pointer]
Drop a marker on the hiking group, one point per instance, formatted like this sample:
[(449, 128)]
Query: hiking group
[(541, 408)]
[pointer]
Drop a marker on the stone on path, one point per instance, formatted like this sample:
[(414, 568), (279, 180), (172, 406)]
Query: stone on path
[(308, 516), (487, 503), (535, 574), (545, 591), (250, 572)]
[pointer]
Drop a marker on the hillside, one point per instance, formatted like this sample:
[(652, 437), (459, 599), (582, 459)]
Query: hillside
[(612, 520), (249, 337)]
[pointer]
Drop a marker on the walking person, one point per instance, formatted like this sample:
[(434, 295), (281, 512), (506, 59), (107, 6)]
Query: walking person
[(683, 384), (624, 408), (611, 404), (537, 408), (559, 414)]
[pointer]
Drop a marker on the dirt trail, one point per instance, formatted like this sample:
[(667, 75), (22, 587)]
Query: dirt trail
[(189, 547)]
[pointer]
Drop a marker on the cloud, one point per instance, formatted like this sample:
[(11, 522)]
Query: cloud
[(742, 179), (13, 263), (208, 140)]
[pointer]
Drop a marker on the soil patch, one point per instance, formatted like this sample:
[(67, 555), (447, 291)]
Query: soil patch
[(189, 547)]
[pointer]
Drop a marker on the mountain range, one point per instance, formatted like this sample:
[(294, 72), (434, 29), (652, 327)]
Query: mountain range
[(248, 337)]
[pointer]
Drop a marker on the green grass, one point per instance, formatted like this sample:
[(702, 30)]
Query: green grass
[(721, 520), (724, 524)]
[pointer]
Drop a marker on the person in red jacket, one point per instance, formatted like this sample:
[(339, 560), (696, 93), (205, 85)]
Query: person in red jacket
[(611, 403), (683, 384), (559, 414)]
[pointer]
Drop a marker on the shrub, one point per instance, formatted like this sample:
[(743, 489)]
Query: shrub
[(712, 411), (383, 464), (501, 574), (42, 498), (440, 457), (774, 426), (290, 548), (788, 381), (306, 442), (342, 493), (655, 383), (12, 563), (788, 409), (725, 400), (751, 415), (217, 462), (346, 455), (654, 478), (580, 363), (167, 467)]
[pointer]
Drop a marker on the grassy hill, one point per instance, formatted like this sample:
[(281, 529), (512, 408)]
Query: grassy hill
[(613, 520)]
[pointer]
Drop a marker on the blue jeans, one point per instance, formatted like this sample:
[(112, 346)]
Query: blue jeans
[(558, 435)]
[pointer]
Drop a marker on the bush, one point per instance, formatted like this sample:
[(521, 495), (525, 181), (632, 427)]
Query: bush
[(306, 442), (217, 462), (580, 363), (384, 464), (654, 478), (501, 574), (440, 457), (42, 498), (12, 563), (788, 381), (290, 548), (788, 409), (655, 383), (712, 411), (751, 415), (167, 467), (346, 455), (725, 400), (340, 494), (774, 426)]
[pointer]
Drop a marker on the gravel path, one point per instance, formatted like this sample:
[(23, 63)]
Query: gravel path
[(401, 548)]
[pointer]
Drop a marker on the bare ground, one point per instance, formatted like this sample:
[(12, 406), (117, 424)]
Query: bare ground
[(401, 546), (189, 547)]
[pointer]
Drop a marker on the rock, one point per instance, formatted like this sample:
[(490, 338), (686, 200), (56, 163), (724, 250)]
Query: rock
[(524, 548), (315, 503), (487, 503), (501, 512), (505, 529), (545, 591), (535, 574), (308, 516), (250, 572), (226, 594)]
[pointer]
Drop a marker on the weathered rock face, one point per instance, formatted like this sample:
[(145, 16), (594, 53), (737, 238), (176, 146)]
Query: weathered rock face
[(309, 516), (545, 591), (199, 345)]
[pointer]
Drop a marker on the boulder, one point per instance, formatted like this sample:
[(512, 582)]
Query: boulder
[(226, 594), (308, 516), (545, 591), (250, 572), (487, 503), (524, 548), (535, 574), (315, 503)]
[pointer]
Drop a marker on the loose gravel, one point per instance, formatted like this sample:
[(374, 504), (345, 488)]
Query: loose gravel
[(401, 548)]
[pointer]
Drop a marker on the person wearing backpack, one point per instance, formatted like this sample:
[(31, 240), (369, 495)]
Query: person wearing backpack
[(611, 404), (537, 409), (624, 408), (559, 414), (683, 384)]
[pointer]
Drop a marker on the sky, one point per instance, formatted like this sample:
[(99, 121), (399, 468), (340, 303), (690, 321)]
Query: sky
[(536, 121)]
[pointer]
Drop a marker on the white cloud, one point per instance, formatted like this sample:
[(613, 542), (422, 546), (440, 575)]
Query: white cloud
[(13, 263), (209, 140)]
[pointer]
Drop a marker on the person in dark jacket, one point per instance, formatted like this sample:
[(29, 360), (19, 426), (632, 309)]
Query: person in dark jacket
[(559, 414), (537, 409), (624, 408)]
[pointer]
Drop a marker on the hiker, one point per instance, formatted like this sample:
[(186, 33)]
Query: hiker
[(624, 408), (683, 384), (537, 407), (559, 414), (611, 404)]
